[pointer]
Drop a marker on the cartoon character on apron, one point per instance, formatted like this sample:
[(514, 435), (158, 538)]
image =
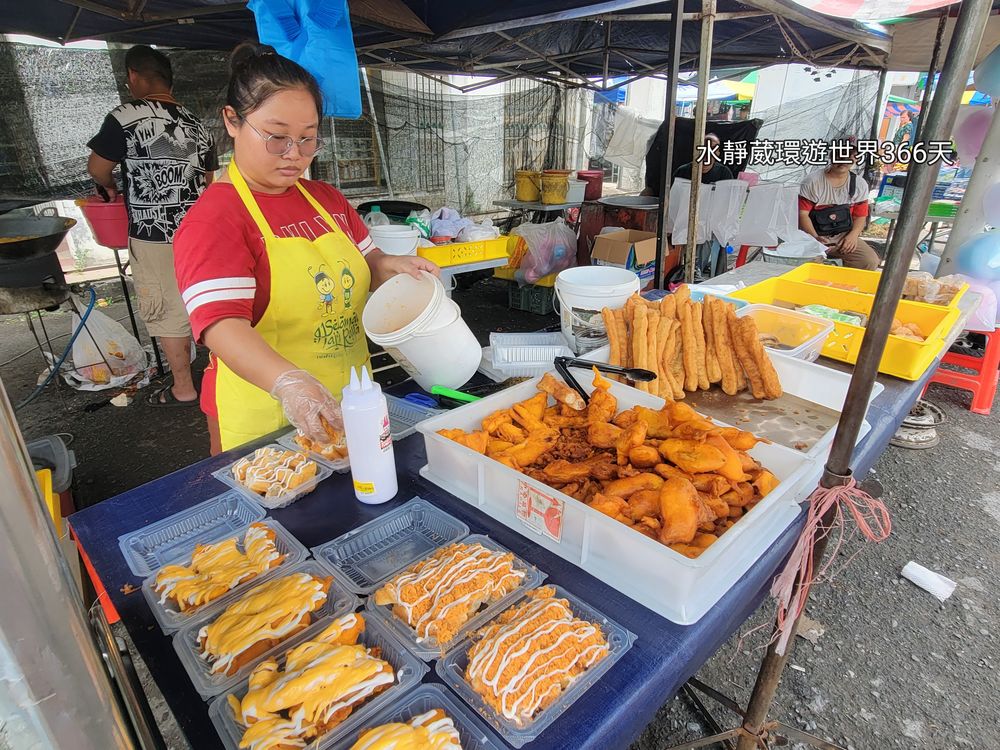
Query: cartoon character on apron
[(326, 339)]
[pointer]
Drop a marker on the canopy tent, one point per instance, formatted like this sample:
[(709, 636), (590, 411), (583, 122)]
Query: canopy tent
[(575, 42)]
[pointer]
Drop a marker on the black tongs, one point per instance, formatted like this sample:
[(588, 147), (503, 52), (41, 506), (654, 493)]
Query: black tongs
[(562, 365)]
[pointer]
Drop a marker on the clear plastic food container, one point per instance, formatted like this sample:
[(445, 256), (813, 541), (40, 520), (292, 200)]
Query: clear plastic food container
[(429, 648), (339, 602), (404, 416), (451, 669), (166, 541), (368, 556), (526, 354), (225, 475), (288, 441), (473, 733), (791, 333), (170, 618), (409, 672)]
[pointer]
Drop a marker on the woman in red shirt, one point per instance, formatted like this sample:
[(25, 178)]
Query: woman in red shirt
[(274, 270)]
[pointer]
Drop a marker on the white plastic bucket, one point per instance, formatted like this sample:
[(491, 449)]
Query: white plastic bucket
[(395, 239), (422, 329), (581, 292)]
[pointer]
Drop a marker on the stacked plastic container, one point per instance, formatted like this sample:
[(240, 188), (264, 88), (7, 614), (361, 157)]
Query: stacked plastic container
[(522, 355)]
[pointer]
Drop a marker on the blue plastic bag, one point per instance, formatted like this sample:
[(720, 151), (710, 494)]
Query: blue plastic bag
[(317, 35)]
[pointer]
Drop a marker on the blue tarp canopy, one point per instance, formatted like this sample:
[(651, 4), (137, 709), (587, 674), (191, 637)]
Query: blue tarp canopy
[(566, 40)]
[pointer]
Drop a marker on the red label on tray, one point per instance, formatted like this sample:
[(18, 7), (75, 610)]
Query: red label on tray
[(540, 512)]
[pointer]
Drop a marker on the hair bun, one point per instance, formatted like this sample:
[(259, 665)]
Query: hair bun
[(247, 51)]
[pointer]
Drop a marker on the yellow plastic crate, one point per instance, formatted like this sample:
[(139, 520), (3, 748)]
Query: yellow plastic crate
[(865, 281), (459, 253), (903, 358), (506, 272)]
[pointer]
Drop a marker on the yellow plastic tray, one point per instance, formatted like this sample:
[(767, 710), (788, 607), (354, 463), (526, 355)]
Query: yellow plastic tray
[(903, 358), (865, 281), (458, 253)]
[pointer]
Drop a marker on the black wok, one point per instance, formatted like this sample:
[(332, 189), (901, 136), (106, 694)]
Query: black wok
[(41, 236)]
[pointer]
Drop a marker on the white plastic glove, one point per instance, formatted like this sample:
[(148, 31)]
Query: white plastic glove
[(305, 400)]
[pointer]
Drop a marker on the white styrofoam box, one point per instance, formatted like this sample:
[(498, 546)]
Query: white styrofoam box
[(672, 585)]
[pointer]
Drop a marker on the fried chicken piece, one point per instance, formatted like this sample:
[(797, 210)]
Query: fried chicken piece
[(497, 446), (561, 392), (696, 429), (668, 472), (612, 506), (678, 511), (535, 406), (704, 540), (688, 550), (602, 406), (531, 450), (693, 457), (493, 422), (713, 484), (681, 412), (764, 483), (630, 485), (658, 423), (564, 472), (648, 527), (603, 435), (558, 422), (632, 437), (745, 490), (626, 419), (706, 516), (732, 467), (644, 457), (602, 467), (740, 439), (644, 503), (511, 433), (750, 466), (477, 441)]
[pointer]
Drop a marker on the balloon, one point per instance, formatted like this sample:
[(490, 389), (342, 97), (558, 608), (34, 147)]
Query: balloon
[(979, 256), (984, 317), (971, 132), (991, 205), (987, 74)]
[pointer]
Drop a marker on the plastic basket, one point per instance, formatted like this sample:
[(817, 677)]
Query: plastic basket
[(799, 335), (339, 602), (225, 475), (902, 357), (404, 416), (530, 298), (166, 541), (459, 253), (366, 557), (429, 648), (170, 618), (864, 282), (451, 669), (473, 733), (409, 672)]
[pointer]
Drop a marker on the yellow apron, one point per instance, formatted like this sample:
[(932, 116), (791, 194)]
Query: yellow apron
[(313, 319)]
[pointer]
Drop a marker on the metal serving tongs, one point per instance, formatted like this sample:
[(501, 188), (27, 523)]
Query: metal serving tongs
[(562, 365)]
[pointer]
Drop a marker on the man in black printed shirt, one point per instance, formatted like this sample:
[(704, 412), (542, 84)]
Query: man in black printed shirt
[(167, 159)]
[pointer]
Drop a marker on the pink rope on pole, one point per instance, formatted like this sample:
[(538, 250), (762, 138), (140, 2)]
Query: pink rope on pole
[(872, 518)]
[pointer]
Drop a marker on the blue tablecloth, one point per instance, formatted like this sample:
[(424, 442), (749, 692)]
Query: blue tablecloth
[(610, 715)]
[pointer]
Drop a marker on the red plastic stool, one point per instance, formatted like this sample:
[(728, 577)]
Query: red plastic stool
[(983, 384)]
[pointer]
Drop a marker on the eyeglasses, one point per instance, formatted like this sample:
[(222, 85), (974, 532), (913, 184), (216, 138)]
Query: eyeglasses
[(279, 145)]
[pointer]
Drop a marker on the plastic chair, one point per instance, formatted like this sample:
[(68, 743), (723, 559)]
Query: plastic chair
[(983, 383)]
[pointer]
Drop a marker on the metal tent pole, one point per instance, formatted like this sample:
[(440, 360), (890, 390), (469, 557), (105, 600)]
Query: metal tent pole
[(378, 133), (937, 126), (676, 25), (870, 167), (932, 69), (700, 117)]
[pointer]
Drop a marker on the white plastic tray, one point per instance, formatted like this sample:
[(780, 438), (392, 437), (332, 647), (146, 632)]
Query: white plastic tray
[(169, 539), (225, 475), (429, 649), (288, 441), (339, 602), (517, 348), (474, 734), (409, 672), (170, 618), (670, 584)]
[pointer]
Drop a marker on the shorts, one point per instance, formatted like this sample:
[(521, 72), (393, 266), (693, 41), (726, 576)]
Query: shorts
[(160, 305)]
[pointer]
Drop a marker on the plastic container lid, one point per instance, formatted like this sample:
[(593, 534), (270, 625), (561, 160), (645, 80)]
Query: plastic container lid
[(404, 416), (799, 335), (338, 602), (516, 348), (225, 475), (428, 648), (473, 733), (168, 540), (50, 452), (288, 441), (366, 557), (451, 669), (170, 618), (409, 671)]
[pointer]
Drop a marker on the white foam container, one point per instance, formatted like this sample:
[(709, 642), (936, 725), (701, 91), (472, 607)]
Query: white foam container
[(674, 586)]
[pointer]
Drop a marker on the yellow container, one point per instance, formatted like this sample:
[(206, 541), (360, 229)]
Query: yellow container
[(458, 253), (506, 272), (865, 282), (527, 185), (903, 358), (554, 188), (44, 478)]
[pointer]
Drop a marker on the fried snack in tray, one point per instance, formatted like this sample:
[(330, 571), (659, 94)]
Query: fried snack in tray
[(218, 568), (528, 656), (323, 680), (433, 730), (692, 346), (271, 472), (625, 464), (439, 594), (261, 618)]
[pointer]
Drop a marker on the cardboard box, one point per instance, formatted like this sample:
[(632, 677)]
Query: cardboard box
[(631, 249)]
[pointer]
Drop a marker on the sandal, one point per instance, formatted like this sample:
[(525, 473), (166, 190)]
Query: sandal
[(165, 397)]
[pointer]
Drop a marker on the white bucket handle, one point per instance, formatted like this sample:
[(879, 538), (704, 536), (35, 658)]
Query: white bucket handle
[(575, 318)]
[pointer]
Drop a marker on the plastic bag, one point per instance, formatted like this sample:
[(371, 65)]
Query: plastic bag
[(422, 221), (447, 222), (105, 354), (551, 248), (479, 232), (800, 245), (920, 286)]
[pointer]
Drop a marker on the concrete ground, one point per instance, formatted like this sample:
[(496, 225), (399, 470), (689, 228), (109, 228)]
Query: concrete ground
[(894, 668)]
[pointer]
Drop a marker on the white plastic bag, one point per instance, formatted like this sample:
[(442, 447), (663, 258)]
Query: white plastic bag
[(105, 354), (479, 232), (551, 248), (800, 245)]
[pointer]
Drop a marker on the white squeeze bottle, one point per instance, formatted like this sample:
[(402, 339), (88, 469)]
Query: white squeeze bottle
[(369, 440)]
